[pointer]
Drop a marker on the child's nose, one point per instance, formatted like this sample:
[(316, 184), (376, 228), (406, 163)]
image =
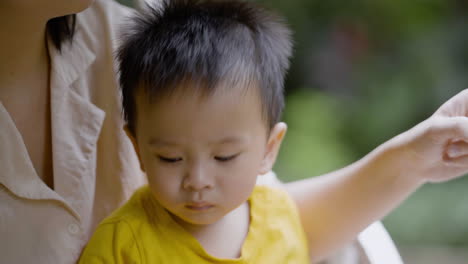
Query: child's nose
[(198, 178)]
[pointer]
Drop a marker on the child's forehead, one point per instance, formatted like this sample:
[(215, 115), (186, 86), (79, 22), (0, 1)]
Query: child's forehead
[(186, 105), (203, 118), (198, 93)]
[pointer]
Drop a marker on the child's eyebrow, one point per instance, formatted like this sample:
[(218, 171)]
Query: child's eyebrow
[(231, 140), (156, 142)]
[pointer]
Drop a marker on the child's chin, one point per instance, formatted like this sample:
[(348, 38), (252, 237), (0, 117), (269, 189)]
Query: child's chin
[(202, 221), (198, 219)]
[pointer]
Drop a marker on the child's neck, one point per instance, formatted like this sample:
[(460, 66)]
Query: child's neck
[(224, 239)]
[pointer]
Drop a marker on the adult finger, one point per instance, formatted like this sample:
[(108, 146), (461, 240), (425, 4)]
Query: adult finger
[(456, 149), (455, 106)]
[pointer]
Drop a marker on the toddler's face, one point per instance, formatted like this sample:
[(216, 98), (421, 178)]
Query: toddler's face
[(202, 155)]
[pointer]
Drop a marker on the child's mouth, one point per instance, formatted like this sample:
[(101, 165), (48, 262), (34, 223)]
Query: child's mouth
[(199, 206)]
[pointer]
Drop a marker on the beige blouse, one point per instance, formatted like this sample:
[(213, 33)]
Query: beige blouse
[(95, 167)]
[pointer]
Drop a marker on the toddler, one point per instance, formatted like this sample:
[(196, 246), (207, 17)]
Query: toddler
[(202, 86)]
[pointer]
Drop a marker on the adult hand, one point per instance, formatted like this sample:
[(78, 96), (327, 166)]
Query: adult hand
[(457, 106), (437, 148)]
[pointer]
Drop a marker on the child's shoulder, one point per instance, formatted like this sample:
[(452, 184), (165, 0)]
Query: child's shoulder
[(273, 200), (133, 210), (266, 193), (275, 218), (120, 233)]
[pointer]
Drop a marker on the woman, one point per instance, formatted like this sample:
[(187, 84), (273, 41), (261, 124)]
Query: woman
[(65, 161)]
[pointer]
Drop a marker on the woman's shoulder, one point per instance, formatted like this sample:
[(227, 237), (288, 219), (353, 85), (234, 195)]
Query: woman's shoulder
[(102, 23), (106, 11)]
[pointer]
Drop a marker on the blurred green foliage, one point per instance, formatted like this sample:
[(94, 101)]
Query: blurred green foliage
[(303, 155), (127, 2), (375, 69)]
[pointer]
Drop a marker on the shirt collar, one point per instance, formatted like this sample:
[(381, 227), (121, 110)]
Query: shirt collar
[(72, 61), (18, 173), (67, 66)]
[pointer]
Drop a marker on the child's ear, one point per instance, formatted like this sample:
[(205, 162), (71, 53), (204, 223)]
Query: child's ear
[(273, 146), (135, 145)]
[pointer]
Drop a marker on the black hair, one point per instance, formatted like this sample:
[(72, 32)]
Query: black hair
[(208, 43), (61, 29)]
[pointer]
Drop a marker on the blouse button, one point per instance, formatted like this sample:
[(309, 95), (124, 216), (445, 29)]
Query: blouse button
[(73, 229)]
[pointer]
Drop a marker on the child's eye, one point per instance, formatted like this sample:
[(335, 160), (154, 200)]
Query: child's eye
[(169, 160), (226, 158)]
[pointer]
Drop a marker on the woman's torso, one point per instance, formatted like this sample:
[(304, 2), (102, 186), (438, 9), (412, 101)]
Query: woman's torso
[(92, 162)]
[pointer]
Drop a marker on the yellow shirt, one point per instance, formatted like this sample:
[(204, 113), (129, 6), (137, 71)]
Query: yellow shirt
[(143, 232)]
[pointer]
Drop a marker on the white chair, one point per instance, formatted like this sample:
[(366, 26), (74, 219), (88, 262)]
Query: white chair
[(372, 246), (378, 245)]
